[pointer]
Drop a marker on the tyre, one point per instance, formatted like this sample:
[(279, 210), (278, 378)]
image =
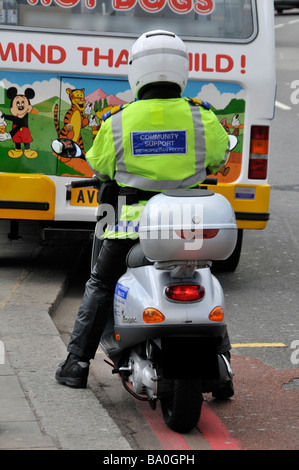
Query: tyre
[(181, 411), (231, 263)]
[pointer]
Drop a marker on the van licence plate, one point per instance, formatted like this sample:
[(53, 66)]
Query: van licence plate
[(84, 197)]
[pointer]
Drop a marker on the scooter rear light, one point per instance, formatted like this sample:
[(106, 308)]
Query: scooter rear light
[(152, 315), (185, 292), (259, 147)]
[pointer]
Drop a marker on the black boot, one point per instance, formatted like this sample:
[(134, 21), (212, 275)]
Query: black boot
[(73, 372)]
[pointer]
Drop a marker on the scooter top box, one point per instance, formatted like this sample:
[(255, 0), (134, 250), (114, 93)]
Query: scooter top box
[(189, 224)]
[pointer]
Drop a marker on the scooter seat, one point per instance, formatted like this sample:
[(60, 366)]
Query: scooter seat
[(136, 257)]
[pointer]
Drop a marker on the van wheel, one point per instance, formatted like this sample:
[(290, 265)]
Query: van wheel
[(181, 411), (231, 263)]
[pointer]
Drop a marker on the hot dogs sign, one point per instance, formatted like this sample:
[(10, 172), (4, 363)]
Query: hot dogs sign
[(202, 7)]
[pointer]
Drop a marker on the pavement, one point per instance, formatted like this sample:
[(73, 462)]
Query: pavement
[(35, 412)]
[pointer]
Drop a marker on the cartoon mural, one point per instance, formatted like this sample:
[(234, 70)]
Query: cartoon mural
[(73, 108), (20, 108), (75, 119), (227, 100)]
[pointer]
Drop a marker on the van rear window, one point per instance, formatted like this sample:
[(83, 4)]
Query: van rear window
[(216, 20)]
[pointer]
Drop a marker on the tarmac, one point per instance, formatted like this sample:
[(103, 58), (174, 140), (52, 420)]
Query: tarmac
[(36, 413)]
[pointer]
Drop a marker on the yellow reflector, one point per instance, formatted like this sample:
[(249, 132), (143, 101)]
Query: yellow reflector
[(151, 315), (217, 314)]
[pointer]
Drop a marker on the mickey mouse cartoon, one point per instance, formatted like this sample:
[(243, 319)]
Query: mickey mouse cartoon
[(20, 107)]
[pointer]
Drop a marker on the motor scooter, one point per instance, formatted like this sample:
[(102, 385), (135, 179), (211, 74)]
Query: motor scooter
[(169, 309)]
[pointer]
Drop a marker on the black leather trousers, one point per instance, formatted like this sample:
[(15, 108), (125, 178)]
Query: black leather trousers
[(98, 299)]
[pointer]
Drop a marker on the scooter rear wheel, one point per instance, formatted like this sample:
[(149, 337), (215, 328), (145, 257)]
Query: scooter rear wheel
[(181, 411)]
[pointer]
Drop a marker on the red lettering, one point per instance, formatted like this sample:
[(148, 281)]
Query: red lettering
[(10, 49), (181, 6), (21, 52), (190, 61), (204, 67), (123, 4), (61, 52), (27, 52), (122, 59), (196, 62), (91, 3), (98, 57), (85, 51), (204, 7), (152, 6), (243, 63), (224, 63), (65, 3), (200, 62), (41, 56)]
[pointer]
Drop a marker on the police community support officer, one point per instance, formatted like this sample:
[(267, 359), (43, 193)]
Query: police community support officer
[(159, 142)]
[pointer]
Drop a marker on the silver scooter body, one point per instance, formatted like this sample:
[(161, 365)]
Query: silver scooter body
[(182, 343)]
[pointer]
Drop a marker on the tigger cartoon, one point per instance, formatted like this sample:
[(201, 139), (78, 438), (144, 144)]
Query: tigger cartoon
[(20, 108), (75, 118)]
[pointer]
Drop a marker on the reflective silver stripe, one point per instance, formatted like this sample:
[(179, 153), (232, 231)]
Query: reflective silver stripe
[(224, 161), (117, 132), (161, 50), (146, 183), (124, 177), (199, 141)]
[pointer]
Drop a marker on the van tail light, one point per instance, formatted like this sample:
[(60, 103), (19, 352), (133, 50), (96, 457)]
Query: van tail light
[(185, 292), (259, 147)]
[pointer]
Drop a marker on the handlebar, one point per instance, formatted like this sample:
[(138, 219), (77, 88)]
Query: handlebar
[(89, 182), (210, 181)]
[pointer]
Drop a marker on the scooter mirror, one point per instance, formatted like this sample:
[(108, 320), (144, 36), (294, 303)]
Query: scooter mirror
[(232, 142), (66, 148)]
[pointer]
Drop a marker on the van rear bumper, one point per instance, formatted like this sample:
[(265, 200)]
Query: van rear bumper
[(26, 197), (250, 203)]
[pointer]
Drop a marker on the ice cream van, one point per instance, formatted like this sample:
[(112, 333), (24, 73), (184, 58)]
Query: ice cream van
[(65, 63)]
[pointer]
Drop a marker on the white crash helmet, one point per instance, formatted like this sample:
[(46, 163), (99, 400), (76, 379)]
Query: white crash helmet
[(158, 56)]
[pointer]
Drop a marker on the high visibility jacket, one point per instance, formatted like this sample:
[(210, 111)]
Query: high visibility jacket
[(159, 144)]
